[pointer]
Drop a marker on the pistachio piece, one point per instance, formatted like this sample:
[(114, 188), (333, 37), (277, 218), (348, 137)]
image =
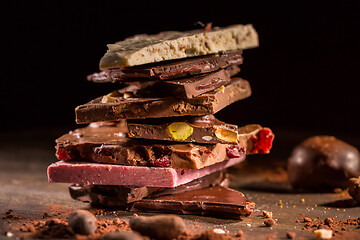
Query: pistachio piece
[(227, 135), (180, 130)]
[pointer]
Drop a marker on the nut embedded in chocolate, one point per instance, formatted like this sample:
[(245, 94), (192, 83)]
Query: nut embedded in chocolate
[(323, 162)]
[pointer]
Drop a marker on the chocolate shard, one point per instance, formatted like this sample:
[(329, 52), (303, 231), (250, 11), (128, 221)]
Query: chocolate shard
[(199, 84), (118, 105), (143, 48), (170, 69), (198, 129), (109, 144), (128, 194), (214, 201)]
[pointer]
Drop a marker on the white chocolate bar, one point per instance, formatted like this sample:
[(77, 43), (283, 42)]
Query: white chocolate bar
[(142, 49)]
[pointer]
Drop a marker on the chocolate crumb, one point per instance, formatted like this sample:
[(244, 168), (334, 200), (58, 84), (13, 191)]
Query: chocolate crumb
[(290, 235), (269, 222), (240, 233), (328, 221)]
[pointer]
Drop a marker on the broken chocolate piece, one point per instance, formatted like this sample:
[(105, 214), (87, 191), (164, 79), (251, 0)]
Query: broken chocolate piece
[(171, 69), (129, 194), (215, 201), (107, 174), (202, 129), (323, 162), (143, 48), (109, 145), (146, 107), (199, 84)]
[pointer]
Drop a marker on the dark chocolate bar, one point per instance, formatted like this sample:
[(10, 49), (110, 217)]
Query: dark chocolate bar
[(170, 69), (194, 86), (108, 144), (218, 201), (128, 105), (128, 194), (198, 129)]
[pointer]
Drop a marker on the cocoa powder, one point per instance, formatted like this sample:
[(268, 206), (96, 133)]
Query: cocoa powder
[(342, 229)]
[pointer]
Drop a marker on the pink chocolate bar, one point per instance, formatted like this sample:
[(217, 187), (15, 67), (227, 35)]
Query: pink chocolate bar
[(106, 174)]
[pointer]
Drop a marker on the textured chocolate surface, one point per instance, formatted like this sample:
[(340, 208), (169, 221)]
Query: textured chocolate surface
[(109, 144), (137, 107), (129, 194), (323, 162), (170, 69)]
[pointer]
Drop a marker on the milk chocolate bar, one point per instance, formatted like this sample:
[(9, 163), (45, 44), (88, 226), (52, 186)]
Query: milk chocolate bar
[(170, 69), (217, 201), (129, 105), (109, 144), (203, 129), (143, 49), (108, 174), (198, 129), (129, 194)]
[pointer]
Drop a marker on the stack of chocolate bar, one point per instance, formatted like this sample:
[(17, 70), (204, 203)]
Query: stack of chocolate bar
[(155, 145)]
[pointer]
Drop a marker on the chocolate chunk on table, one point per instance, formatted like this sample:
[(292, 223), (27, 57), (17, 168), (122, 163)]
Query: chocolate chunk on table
[(215, 201), (129, 194), (170, 69), (129, 106), (323, 162)]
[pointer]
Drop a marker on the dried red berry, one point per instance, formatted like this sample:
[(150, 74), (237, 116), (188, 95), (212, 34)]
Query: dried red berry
[(62, 154), (163, 161), (235, 151), (262, 141)]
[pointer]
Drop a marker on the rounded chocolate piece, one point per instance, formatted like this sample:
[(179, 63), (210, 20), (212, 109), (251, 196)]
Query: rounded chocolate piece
[(82, 222), (323, 162)]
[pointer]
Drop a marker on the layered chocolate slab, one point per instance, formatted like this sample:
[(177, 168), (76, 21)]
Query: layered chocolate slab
[(170, 69), (109, 174), (109, 144), (131, 105)]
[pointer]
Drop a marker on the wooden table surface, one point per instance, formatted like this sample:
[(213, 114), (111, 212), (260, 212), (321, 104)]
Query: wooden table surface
[(25, 155)]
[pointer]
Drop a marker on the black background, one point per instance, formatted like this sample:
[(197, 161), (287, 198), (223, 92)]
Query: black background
[(304, 75)]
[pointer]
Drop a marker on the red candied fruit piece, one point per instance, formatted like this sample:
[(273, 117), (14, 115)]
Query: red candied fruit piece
[(162, 161), (235, 151), (62, 154), (262, 141)]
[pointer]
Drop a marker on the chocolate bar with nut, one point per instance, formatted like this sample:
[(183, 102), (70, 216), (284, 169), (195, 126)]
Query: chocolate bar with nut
[(133, 103), (109, 144), (197, 129)]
